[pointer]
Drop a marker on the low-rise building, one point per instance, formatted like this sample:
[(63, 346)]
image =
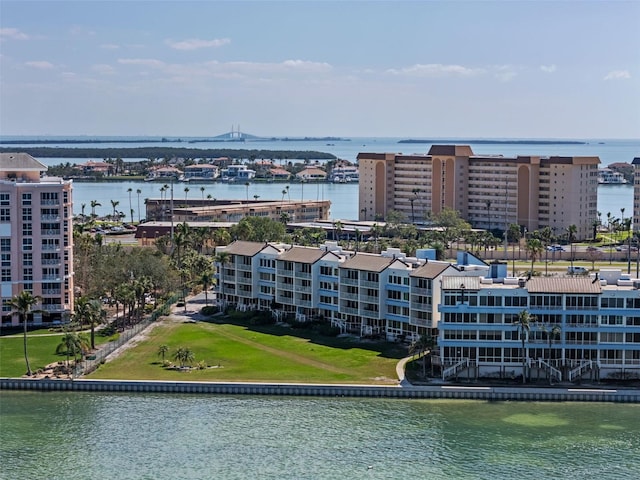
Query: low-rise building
[(581, 327)]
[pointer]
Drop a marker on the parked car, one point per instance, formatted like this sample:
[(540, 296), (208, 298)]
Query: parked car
[(577, 270), (555, 248)]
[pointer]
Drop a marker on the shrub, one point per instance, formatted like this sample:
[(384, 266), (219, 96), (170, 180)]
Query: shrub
[(209, 310)]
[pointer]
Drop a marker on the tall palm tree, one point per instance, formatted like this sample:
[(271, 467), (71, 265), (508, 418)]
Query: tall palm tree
[(162, 351), (23, 304), (284, 192), (421, 347), (114, 204), (246, 186), (129, 191), (523, 327), (72, 343), (535, 247), (94, 204), (186, 193), (138, 192), (202, 192), (337, 230), (571, 231), (206, 279), (87, 311)]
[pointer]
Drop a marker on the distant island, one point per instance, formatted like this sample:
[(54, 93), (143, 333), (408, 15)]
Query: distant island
[(497, 142), (168, 152)]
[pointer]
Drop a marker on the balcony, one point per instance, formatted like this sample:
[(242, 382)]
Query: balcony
[(50, 218), (350, 310), (49, 202), (50, 232), (51, 248), (52, 308), (51, 261), (52, 291)]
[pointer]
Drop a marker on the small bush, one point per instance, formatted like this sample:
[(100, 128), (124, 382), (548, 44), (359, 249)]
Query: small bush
[(201, 365), (209, 310), (327, 330)]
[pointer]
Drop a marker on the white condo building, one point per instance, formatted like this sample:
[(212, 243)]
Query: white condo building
[(471, 307)]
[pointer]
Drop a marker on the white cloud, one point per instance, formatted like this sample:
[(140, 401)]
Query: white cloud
[(618, 75), (548, 68), (195, 43), (103, 69), (145, 62), (505, 73), (436, 70), (109, 46), (40, 65), (13, 34)]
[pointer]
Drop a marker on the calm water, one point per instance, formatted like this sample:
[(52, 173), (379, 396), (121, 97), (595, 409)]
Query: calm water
[(104, 436)]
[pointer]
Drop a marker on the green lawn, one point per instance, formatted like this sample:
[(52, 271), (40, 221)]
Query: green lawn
[(238, 353), (41, 346)]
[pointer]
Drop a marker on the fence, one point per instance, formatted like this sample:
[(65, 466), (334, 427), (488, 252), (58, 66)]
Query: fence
[(91, 362)]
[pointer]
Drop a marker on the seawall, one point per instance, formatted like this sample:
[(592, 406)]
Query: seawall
[(487, 393)]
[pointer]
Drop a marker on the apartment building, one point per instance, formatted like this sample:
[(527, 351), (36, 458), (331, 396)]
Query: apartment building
[(36, 238), (581, 327), (490, 192), (210, 210), (388, 295)]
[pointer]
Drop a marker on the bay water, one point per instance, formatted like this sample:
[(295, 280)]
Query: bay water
[(79, 435)]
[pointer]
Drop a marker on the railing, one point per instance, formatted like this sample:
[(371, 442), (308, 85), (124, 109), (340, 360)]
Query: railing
[(51, 232), (454, 369), (549, 370), (51, 261), (50, 217), (50, 248), (581, 369), (52, 292), (51, 277)]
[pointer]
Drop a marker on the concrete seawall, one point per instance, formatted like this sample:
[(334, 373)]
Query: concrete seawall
[(293, 389)]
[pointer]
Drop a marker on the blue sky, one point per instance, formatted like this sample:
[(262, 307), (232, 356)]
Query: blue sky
[(564, 69)]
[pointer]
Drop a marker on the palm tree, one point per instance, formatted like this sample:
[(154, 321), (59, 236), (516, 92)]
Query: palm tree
[(72, 343), (202, 192), (535, 247), (284, 192), (206, 279), (523, 327), (138, 192), (184, 356), (90, 312), (82, 206), (94, 204), (22, 304), (337, 230), (421, 347), (246, 186), (129, 190), (114, 204), (162, 351), (571, 231), (552, 333), (186, 193)]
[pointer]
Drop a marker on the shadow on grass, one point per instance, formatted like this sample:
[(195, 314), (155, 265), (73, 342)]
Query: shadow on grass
[(385, 349)]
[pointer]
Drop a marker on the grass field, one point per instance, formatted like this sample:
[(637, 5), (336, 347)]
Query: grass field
[(41, 346), (265, 354)]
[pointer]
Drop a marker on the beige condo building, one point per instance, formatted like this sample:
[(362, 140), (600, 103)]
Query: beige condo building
[(36, 238), (489, 191)]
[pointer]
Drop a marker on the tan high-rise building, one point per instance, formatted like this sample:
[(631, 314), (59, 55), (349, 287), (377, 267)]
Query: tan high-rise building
[(490, 192), (36, 238)]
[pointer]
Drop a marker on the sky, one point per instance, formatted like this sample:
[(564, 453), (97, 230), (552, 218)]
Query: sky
[(430, 69)]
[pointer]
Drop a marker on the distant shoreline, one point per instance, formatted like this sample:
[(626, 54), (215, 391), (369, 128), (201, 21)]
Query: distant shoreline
[(497, 142)]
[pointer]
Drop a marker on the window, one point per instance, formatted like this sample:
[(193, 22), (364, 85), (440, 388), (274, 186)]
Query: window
[(27, 229), (4, 200), (6, 259), (5, 244), (6, 275), (5, 214), (26, 199), (27, 259), (26, 215), (27, 244)]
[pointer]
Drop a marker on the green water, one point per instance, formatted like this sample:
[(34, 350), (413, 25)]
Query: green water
[(147, 436)]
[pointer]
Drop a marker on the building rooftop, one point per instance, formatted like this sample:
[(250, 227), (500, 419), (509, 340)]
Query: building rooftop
[(369, 262), (20, 162), (302, 254)]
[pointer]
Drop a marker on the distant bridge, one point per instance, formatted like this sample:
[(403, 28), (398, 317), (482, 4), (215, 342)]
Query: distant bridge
[(236, 136)]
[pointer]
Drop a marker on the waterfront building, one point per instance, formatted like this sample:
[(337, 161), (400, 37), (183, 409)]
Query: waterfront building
[(489, 191), (311, 174), (213, 210), (388, 295), (237, 173), (201, 172), (581, 327), (36, 240)]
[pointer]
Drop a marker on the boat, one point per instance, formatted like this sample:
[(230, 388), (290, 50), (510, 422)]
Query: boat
[(606, 176)]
